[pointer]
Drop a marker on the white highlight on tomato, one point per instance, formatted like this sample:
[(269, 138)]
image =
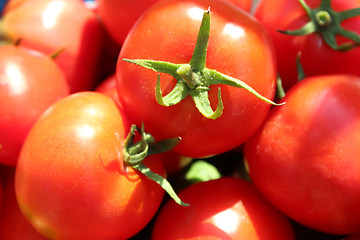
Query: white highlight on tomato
[(196, 13), (85, 131), (14, 79), (228, 220), (51, 13), (234, 31)]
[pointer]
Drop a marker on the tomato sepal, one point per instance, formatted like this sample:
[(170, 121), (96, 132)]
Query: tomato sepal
[(327, 22), (194, 78), (135, 153)]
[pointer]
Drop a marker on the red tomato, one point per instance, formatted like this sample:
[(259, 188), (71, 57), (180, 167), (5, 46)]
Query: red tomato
[(108, 87), (243, 4), (11, 4), (119, 16), (30, 82), (174, 162), (238, 46), (316, 56), (226, 208), (71, 172), (48, 26), (305, 159), (13, 224)]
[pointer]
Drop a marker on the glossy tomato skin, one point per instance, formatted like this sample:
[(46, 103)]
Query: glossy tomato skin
[(243, 4), (119, 16), (238, 46), (226, 208), (108, 87), (71, 171), (30, 82), (316, 57), (13, 224), (305, 157), (49, 26)]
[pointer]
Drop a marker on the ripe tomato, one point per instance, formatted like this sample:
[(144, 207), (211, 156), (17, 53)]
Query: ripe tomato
[(13, 224), (108, 87), (238, 46), (174, 162), (119, 16), (226, 208), (49, 26), (243, 4), (316, 56), (71, 182), (305, 159), (11, 4), (29, 83)]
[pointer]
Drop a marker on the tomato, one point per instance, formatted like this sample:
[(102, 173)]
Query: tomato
[(71, 171), (226, 208), (305, 159), (174, 162), (29, 83), (243, 4), (316, 56), (13, 224), (108, 87), (11, 4), (119, 16), (238, 46), (49, 26)]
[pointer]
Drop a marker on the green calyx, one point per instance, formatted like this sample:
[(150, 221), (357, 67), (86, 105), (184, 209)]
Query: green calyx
[(194, 79), (327, 22), (136, 152)]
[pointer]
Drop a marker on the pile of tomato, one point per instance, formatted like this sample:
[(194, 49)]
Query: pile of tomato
[(180, 119)]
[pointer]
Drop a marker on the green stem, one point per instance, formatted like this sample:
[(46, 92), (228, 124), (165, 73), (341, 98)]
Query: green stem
[(55, 54), (280, 92), (198, 60), (327, 22), (300, 69), (323, 18), (161, 181), (135, 153)]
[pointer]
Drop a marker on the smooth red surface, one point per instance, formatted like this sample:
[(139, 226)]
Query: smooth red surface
[(305, 159), (13, 224), (119, 16), (222, 209), (29, 83)]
